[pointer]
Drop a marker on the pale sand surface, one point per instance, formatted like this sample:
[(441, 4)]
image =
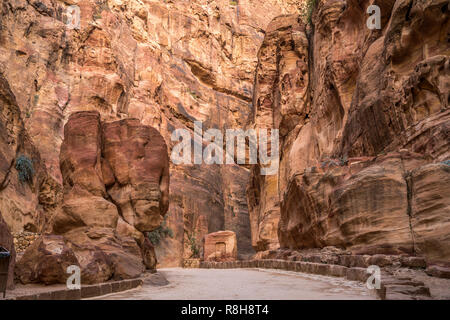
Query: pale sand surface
[(246, 284)]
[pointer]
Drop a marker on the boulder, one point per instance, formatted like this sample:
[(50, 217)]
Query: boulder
[(84, 202), (109, 168), (106, 254), (116, 184), (148, 255), (46, 261)]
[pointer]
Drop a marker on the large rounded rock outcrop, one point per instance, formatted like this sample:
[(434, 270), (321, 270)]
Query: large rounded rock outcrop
[(116, 185)]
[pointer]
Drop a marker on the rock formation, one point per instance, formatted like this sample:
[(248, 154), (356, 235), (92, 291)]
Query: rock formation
[(46, 261), (364, 130), (166, 63), (26, 201), (6, 241), (363, 119), (116, 185)]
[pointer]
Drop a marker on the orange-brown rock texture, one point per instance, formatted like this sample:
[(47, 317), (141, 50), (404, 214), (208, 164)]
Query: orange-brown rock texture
[(26, 203), (364, 130), (165, 63), (116, 185), (362, 114)]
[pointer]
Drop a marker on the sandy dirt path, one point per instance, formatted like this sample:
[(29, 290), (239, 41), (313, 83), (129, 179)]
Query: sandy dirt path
[(245, 284)]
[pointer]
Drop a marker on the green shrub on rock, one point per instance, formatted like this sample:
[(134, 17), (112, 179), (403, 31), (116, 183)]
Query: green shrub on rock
[(163, 231), (24, 166)]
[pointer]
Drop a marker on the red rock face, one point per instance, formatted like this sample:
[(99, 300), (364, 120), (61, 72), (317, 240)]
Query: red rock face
[(25, 204), (148, 253), (119, 169), (116, 188), (170, 64), (85, 194), (46, 261), (336, 90), (279, 102), (136, 158), (363, 119)]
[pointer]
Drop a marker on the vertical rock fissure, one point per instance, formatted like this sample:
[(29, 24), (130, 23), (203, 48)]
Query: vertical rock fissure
[(6, 179), (409, 191)]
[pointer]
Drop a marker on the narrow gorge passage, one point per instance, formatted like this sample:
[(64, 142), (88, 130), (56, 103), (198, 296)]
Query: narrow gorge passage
[(245, 284)]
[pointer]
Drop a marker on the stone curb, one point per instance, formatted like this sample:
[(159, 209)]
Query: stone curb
[(392, 288), (88, 291), (353, 274)]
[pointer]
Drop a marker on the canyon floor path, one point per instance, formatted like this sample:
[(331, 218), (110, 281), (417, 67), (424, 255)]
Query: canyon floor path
[(245, 284)]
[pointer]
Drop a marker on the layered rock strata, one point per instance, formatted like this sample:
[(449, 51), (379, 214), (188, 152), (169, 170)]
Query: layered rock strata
[(166, 63), (364, 130)]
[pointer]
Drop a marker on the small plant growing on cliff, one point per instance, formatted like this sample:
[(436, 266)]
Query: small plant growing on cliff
[(307, 8), (343, 161), (447, 162), (24, 166), (163, 231), (193, 246)]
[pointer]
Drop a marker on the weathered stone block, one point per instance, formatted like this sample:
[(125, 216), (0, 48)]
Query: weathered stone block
[(357, 274), (221, 245), (105, 288), (115, 286), (59, 294), (379, 260), (413, 262), (44, 296), (291, 265), (338, 271), (438, 271), (90, 291)]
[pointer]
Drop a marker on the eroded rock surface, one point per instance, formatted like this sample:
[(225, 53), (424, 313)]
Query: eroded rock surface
[(26, 202), (116, 185), (166, 63), (363, 119), (46, 261)]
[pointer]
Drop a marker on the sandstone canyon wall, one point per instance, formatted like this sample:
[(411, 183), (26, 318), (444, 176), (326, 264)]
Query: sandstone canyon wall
[(364, 130), (165, 63), (363, 119)]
